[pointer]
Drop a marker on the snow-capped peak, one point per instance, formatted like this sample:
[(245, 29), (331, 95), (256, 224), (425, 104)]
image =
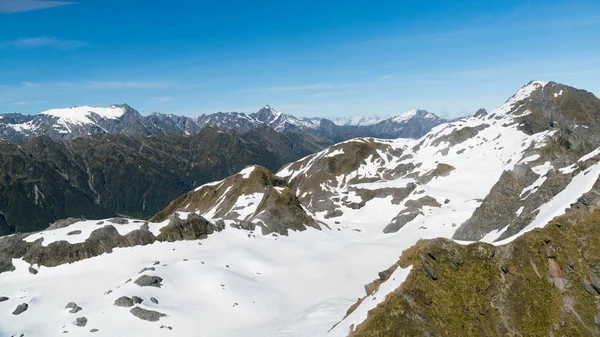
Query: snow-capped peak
[(359, 120), (81, 114), (519, 96), (405, 116)]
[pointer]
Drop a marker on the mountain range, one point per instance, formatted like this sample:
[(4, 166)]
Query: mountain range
[(494, 216), (83, 121)]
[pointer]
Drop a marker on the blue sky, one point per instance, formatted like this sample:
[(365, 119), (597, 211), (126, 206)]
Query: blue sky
[(309, 58)]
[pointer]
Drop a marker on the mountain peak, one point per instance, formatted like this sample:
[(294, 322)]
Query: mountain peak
[(266, 115)]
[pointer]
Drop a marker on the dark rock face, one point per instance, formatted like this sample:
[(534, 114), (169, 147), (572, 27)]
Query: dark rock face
[(21, 308), (279, 212), (147, 315), (74, 308), (3, 298), (124, 301), (412, 209), (149, 281), (102, 240), (103, 175), (64, 223), (193, 228), (76, 232), (153, 300), (11, 247), (400, 220), (119, 221), (136, 300), (81, 321)]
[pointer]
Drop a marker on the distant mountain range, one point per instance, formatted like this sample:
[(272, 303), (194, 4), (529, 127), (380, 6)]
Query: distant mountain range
[(83, 121)]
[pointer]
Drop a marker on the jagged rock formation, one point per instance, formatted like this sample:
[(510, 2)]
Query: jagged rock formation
[(571, 118), (254, 197)]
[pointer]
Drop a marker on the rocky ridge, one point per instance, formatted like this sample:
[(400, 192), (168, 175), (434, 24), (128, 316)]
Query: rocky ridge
[(122, 119)]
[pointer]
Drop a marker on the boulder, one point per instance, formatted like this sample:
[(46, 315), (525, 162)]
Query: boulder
[(154, 300), (136, 300), (75, 232), (3, 298), (21, 308), (81, 321), (146, 315), (74, 307), (147, 269), (149, 281), (124, 301)]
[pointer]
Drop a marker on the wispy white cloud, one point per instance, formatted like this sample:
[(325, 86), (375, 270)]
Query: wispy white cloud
[(385, 77), (101, 85), (43, 42), (319, 86), (161, 99), (127, 84), (15, 6)]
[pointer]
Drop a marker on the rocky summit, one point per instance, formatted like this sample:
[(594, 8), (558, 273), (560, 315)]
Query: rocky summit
[(482, 226)]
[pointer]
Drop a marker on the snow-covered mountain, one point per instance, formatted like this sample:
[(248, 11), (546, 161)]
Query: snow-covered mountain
[(358, 120), (287, 253), (82, 121)]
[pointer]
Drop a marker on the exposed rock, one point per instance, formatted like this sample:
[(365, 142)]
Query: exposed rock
[(33, 270), (75, 232), (333, 214), (441, 170), (480, 113), (147, 315), (400, 220), (280, 211), (147, 269), (81, 321), (74, 308), (12, 247), (102, 240), (119, 221), (124, 301), (3, 298), (149, 281), (595, 282), (64, 223), (21, 308), (428, 269), (193, 228), (499, 206), (136, 300), (154, 300)]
